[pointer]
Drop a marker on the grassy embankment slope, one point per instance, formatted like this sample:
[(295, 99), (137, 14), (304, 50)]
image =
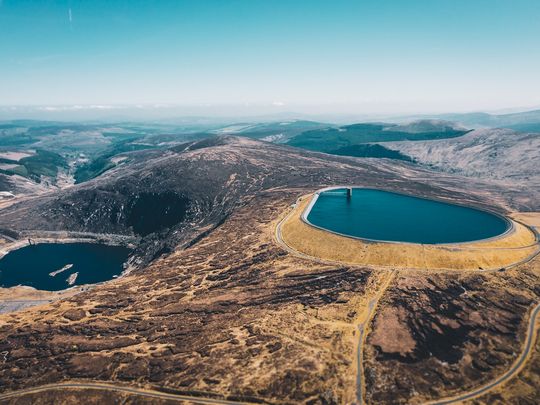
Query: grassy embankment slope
[(491, 254)]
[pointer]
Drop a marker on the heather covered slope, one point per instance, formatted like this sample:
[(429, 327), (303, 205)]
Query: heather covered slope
[(493, 154), (228, 313), (330, 139), (170, 196)]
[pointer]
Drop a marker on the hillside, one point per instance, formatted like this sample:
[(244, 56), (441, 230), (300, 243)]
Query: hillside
[(329, 139), (433, 126), (368, 150), (497, 154), (512, 120), (216, 309), (57, 153), (168, 196), (278, 131)]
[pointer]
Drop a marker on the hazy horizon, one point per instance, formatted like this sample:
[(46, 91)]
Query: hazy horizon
[(228, 113), (310, 57)]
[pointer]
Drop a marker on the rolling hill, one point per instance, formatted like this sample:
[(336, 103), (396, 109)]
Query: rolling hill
[(497, 154), (214, 308), (328, 139)]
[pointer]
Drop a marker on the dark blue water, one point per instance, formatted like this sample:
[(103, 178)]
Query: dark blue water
[(31, 265), (381, 215)]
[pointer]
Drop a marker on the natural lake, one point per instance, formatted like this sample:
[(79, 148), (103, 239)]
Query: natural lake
[(56, 266), (385, 216)]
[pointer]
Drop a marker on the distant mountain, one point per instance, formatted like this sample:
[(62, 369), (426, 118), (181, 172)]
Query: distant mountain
[(493, 153), (369, 150), (81, 150), (429, 126), (277, 132), (331, 139), (523, 121)]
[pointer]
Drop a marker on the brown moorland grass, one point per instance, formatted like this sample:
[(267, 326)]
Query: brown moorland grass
[(502, 252)]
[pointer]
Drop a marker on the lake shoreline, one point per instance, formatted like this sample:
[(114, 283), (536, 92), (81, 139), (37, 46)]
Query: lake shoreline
[(510, 226), (9, 295), (305, 240)]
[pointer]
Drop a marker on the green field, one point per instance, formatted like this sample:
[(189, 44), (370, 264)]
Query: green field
[(42, 163), (370, 150), (103, 162)]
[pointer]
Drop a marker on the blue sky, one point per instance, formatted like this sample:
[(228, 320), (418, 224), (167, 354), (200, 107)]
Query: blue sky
[(375, 56)]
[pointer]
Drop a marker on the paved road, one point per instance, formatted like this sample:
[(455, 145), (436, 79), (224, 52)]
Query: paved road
[(512, 372), (8, 238), (118, 388), (280, 241), (360, 358), (362, 329), (7, 306), (371, 305)]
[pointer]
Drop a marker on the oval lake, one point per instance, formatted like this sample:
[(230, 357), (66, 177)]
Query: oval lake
[(386, 216)]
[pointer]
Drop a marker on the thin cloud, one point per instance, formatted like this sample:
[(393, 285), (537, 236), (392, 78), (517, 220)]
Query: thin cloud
[(78, 107)]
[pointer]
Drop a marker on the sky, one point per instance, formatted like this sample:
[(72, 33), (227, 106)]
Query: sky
[(379, 56)]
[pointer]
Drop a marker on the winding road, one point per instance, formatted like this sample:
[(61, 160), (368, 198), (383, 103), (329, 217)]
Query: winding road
[(148, 393), (512, 372), (372, 305), (151, 393)]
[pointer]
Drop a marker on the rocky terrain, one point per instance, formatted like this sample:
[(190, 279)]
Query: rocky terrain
[(498, 154), (215, 308), (446, 333), (170, 197)]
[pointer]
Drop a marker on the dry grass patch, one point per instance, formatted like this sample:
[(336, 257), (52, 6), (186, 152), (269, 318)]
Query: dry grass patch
[(498, 253)]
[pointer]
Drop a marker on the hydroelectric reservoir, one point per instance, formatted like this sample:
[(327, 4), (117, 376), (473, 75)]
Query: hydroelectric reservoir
[(392, 217)]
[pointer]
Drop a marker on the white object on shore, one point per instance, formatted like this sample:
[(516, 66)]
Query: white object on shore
[(71, 279)]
